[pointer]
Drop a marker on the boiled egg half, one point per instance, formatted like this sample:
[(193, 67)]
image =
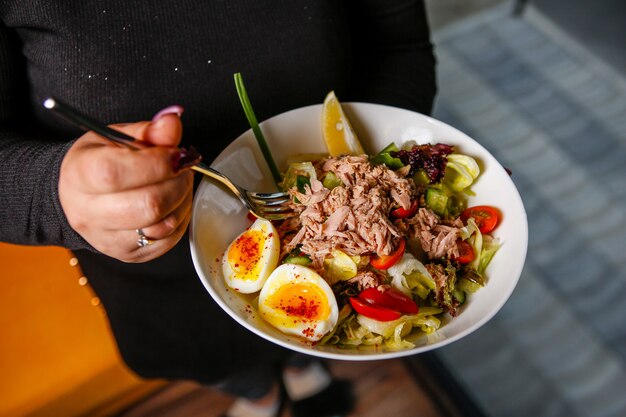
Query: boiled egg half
[(296, 300), (251, 257)]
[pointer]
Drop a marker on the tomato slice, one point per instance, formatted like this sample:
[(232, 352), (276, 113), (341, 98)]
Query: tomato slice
[(402, 213), (466, 252), (486, 217), (373, 311), (390, 298), (386, 261)]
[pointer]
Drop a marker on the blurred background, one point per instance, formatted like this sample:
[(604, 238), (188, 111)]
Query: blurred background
[(542, 85)]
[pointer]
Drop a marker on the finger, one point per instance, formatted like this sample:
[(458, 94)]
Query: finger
[(110, 169), (165, 129), (170, 223), (157, 247), (141, 207), (123, 245)]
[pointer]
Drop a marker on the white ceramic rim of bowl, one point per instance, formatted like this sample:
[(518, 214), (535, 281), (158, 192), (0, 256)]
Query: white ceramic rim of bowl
[(376, 125)]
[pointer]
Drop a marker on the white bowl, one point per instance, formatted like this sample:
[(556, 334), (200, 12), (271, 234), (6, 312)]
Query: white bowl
[(218, 217)]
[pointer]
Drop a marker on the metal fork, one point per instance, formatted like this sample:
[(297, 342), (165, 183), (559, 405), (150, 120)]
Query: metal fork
[(271, 206)]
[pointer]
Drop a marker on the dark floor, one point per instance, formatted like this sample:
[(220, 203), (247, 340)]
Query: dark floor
[(382, 388), (598, 25), (546, 94)]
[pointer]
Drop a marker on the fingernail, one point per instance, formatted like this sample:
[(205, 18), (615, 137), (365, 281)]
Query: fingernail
[(185, 158), (175, 109)]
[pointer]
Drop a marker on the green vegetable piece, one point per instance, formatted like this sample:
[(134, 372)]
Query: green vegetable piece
[(416, 277), (331, 338), (461, 171), (331, 181), (390, 148), (301, 182), (420, 290), (459, 295), (455, 206), (387, 159), (420, 284), (303, 260), (295, 170), (383, 157), (468, 286), (297, 257), (437, 200), (420, 177), (340, 266), (489, 248)]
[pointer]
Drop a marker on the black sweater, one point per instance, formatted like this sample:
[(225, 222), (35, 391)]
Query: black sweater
[(123, 61)]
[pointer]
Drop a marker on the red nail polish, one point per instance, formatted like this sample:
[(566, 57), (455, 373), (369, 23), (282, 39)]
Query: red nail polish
[(185, 158)]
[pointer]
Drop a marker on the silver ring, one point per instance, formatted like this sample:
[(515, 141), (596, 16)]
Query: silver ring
[(143, 239)]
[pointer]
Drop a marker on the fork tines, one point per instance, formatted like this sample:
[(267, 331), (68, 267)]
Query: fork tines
[(270, 199), (273, 205)]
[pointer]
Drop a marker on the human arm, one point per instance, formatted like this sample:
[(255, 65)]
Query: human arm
[(87, 193), (30, 212)]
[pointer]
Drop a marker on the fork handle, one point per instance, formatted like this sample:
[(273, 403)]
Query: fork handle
[(86, 123), (210, 172)]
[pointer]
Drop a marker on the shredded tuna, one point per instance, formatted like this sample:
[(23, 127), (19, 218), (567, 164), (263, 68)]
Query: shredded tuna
[(436, 238), (354, 217), (366, 279)]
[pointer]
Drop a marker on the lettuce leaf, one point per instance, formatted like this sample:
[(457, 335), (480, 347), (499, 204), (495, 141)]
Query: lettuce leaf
[(410, 277), (357, 330)]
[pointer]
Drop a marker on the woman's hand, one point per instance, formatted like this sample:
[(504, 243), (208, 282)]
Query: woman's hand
[(108, 192)]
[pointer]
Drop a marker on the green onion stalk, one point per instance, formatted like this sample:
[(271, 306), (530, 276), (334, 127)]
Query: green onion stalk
[(258, 134)]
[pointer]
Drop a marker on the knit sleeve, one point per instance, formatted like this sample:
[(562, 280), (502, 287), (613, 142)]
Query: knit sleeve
[(30, 210), (393, 57)]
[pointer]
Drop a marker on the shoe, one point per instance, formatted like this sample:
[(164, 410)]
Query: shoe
[(337, 399), (247, 408)]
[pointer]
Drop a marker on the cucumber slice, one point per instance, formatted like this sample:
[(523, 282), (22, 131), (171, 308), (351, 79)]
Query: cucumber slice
[(298, 260), (437, 200)]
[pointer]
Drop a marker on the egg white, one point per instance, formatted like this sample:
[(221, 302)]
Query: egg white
[(285, 275), (251, 279)]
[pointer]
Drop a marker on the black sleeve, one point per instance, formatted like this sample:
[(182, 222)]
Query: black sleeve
[(30, 211), (393, 57)]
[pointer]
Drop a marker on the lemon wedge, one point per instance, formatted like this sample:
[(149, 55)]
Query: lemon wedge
[(338, 133)]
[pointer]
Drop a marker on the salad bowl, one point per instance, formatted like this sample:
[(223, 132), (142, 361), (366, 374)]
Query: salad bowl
[(218, 217)]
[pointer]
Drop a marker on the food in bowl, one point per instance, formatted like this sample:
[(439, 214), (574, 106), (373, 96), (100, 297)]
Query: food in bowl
[(389, 234)]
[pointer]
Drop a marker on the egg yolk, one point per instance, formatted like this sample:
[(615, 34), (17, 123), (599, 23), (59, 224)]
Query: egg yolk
[(245, 253), (301, 300)]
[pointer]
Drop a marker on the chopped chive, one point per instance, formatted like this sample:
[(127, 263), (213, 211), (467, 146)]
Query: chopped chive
[(258, 134)]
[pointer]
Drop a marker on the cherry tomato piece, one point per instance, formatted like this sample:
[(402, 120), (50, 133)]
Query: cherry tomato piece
[(387, 261), (486, 217), (390, 298), (466, 252), (373, 311), (402, 213)]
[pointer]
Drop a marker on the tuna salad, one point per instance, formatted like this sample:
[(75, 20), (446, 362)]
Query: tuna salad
[(393, 237)]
